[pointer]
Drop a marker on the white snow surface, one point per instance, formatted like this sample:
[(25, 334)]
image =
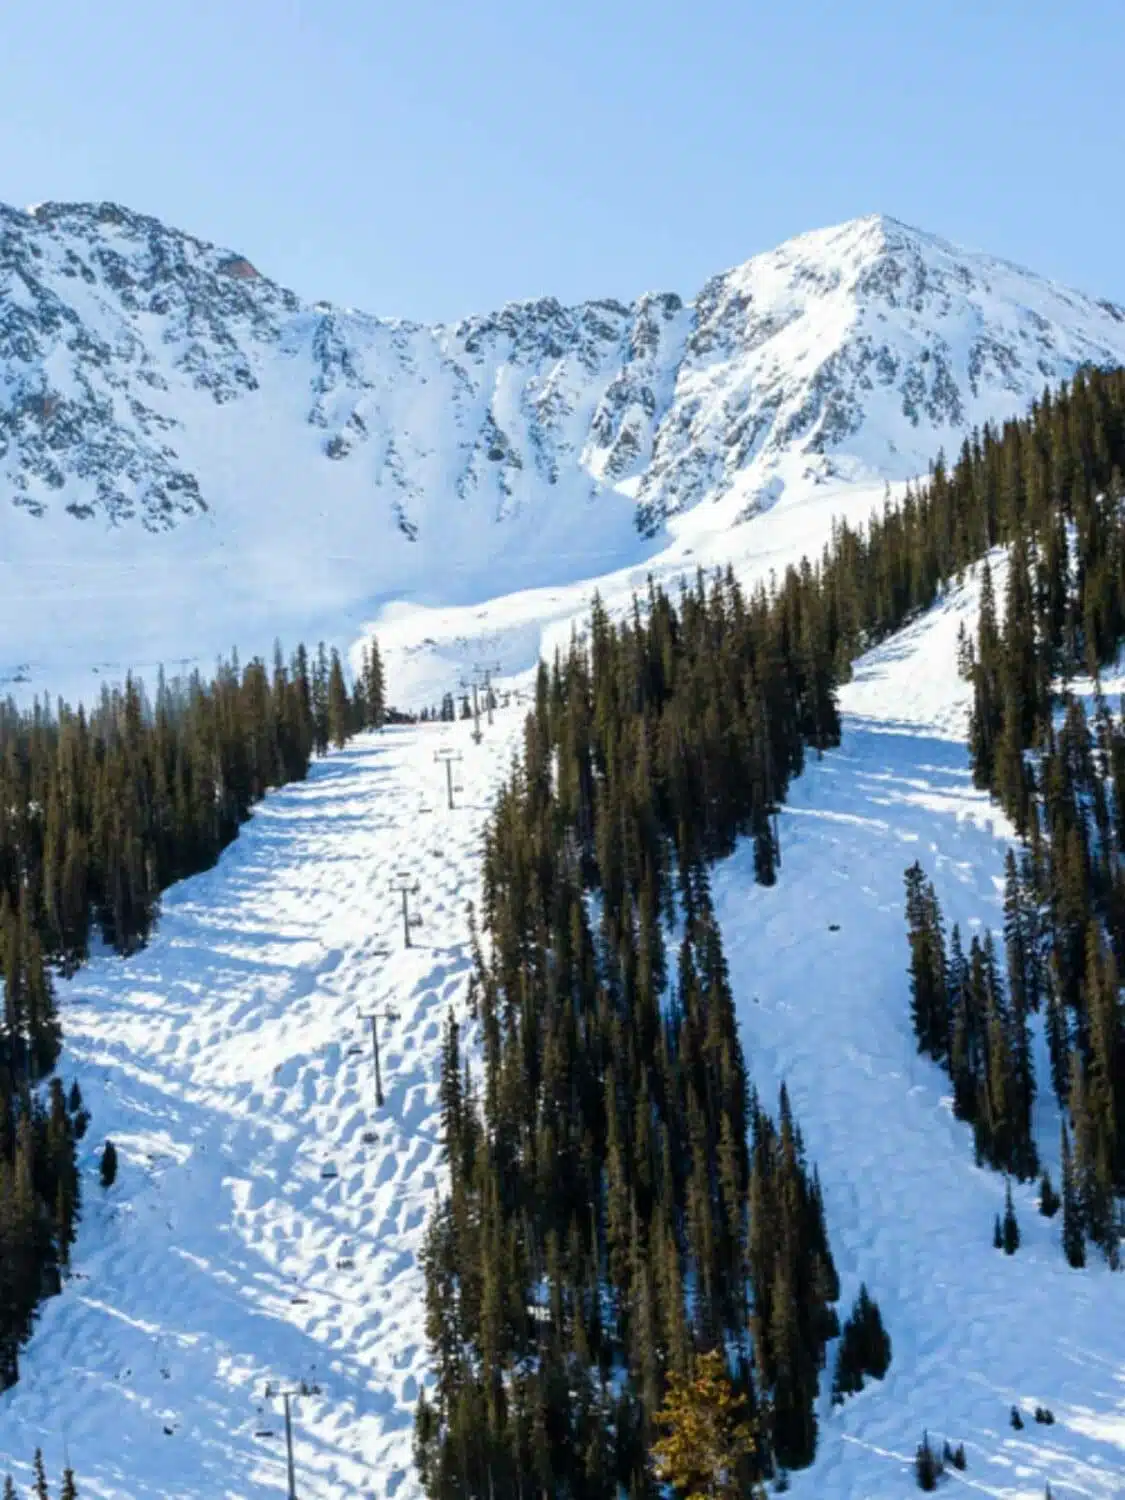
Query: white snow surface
[(199, 460), (192, 458), (218, 1060)]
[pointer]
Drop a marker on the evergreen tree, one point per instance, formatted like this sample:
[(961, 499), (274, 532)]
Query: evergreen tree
[(338, 706), (1073, 1227), (1049, 1200), (1011, 1228), (865, 1348), (108, 1168), (707, 1446), (927, 1465)]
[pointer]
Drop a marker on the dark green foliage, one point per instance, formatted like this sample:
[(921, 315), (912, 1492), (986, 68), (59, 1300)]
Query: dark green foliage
[(865, 1348), (1050, 489), (964, 1021), (108, 1167), (618, 1202), (1011, 1228), (928, 1467), (1045, 1416), (1016, 1419), (954, 1458), (1049, 1200), (997, 1234), (1073, 1224), (39, 1490)]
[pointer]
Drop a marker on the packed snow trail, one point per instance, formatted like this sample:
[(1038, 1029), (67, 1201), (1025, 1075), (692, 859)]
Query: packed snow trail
[(818, 964), (218, 1061)]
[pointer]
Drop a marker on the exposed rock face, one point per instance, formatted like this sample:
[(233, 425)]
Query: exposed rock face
[(858, 350)]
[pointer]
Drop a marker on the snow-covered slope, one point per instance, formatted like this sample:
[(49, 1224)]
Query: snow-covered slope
[(219, 1061), (191, 457)]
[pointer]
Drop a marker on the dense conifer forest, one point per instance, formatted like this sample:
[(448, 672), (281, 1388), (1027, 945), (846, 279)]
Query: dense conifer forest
[(1054, 486), (618, 1204), (619, 1199), (99, 812)]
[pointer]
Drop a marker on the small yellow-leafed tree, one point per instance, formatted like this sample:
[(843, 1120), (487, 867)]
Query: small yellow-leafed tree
[(708, 1440)]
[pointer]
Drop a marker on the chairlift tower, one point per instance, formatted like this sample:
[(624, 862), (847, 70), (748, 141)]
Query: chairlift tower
[(448, 756), (486, 671), (375, 1016), (289, 1394), (407, 885)]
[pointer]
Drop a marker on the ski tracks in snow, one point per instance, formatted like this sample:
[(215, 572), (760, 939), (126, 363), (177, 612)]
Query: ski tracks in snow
[(220, 1061), (256, 1231), (819, 968)]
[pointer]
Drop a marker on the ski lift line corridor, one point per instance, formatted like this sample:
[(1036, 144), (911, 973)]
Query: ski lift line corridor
[(225, 1052)]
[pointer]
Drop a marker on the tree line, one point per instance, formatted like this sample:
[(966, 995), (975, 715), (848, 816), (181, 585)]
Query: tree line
[(620, 1202), (600, 1229), (1051, 487), (100, 811), (39, 1490)]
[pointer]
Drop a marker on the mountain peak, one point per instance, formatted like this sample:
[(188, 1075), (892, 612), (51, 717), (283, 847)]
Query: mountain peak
[(856, 350)]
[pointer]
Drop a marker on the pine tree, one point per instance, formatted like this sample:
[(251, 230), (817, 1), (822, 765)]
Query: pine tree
[(927, 1465), (39, 1487), (707, 1445), (1049, 1201), (69, 1489), (1073, 1228), (1011, 1228), (865, 1348), (338, 704), (108, 1168)]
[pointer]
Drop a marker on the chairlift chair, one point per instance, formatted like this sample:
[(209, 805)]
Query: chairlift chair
[(328, 1170)]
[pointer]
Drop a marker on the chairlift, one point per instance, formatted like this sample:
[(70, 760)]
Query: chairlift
[(328, 1170), (298, 1299), (369, 1138), (345, 1263), (356, 1050), (265, 1432)]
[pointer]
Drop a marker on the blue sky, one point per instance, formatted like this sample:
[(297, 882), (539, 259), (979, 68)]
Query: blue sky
[(429, 159)]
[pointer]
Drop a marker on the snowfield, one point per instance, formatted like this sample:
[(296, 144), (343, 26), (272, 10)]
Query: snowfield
[(219, 1061)]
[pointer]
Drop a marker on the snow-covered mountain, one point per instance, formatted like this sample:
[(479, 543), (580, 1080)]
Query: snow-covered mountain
[(195, 459), (861, 348), (234, 461)]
